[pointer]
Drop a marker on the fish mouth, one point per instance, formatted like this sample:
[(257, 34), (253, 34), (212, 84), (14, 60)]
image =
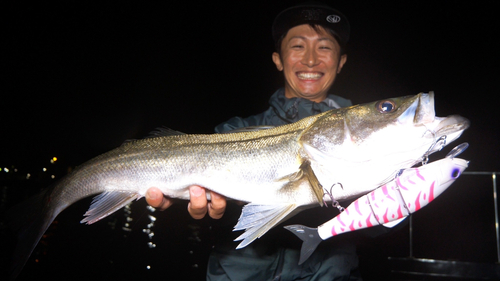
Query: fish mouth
[(303, 75), (442, 130), (445, 130), (421, 111), (451, 126), (424, 113)]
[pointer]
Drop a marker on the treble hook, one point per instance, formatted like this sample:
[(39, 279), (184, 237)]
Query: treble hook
[(335, 203), (442, 141)]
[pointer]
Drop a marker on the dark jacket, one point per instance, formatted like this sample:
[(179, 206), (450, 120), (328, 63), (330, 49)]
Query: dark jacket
[(284, 111)]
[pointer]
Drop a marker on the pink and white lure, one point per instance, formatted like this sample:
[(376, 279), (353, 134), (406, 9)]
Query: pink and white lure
[(412, 190)]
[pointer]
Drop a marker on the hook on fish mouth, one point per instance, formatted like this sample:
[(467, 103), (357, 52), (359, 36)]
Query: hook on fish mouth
[(441, 141)]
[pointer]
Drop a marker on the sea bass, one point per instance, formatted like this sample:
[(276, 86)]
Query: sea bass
[(389, 204), (278, 170)]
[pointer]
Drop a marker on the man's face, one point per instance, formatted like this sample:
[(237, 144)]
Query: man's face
[(310, 61)]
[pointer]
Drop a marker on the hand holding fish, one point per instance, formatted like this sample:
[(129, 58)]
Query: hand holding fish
[(198, 205)]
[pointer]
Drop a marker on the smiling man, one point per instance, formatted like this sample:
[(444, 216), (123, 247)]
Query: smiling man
[(310, 41), (310, 59)]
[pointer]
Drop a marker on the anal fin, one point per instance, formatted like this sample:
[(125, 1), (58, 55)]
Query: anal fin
[(107, 203), (256, 220)]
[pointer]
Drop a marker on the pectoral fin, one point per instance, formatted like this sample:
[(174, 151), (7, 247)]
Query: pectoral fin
[(313, 181), (256, 220), (305, 172), (107, 203)]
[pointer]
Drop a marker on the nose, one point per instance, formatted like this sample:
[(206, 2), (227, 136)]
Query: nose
[(310, 58)]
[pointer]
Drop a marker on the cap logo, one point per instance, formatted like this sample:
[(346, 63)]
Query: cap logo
[(333, 19)]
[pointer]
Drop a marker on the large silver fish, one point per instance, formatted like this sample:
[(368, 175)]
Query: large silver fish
[(278, 171)]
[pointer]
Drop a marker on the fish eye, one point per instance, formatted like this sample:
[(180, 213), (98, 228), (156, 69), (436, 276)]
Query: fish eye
[(455, 173), (386, 106)]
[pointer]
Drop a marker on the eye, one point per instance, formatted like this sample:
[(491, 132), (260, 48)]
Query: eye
[(386, 106), (455, 173)]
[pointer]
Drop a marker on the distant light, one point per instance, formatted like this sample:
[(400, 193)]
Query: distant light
[(44, 169), (148, 267), (6, 170), (28, 176), (53, 160), (53, 176)]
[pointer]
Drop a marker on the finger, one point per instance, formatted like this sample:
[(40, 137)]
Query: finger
[(155, 198), (217, 206), (197, 206)]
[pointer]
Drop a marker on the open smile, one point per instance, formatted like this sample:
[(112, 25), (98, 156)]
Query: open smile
[(309, 75)]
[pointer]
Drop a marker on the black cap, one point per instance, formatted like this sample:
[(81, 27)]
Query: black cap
[(312, 13)]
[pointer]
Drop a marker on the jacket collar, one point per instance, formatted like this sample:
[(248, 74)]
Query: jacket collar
[(294, 109)]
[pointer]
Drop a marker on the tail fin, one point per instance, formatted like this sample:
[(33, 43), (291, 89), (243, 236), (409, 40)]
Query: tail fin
[(310, 237), (29, 220)]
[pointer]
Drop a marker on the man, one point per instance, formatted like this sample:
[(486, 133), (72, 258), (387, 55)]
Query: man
[(310, 41)]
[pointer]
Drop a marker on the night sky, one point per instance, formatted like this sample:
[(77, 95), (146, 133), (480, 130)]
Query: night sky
[(79, 79)]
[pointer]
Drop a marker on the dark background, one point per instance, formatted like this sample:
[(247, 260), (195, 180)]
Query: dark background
[(79, 79)]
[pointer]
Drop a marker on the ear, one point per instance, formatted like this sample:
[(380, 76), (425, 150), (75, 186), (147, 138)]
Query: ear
[(342, 61), (277, 61)]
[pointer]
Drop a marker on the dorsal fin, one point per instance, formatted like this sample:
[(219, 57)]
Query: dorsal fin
[(158, 132), (164, 132)]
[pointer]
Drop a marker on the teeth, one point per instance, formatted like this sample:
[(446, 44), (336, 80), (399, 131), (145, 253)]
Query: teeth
[(309, 75)]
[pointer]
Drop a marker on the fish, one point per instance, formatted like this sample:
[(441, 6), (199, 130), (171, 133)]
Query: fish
[(389, 204), (279, 171)]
